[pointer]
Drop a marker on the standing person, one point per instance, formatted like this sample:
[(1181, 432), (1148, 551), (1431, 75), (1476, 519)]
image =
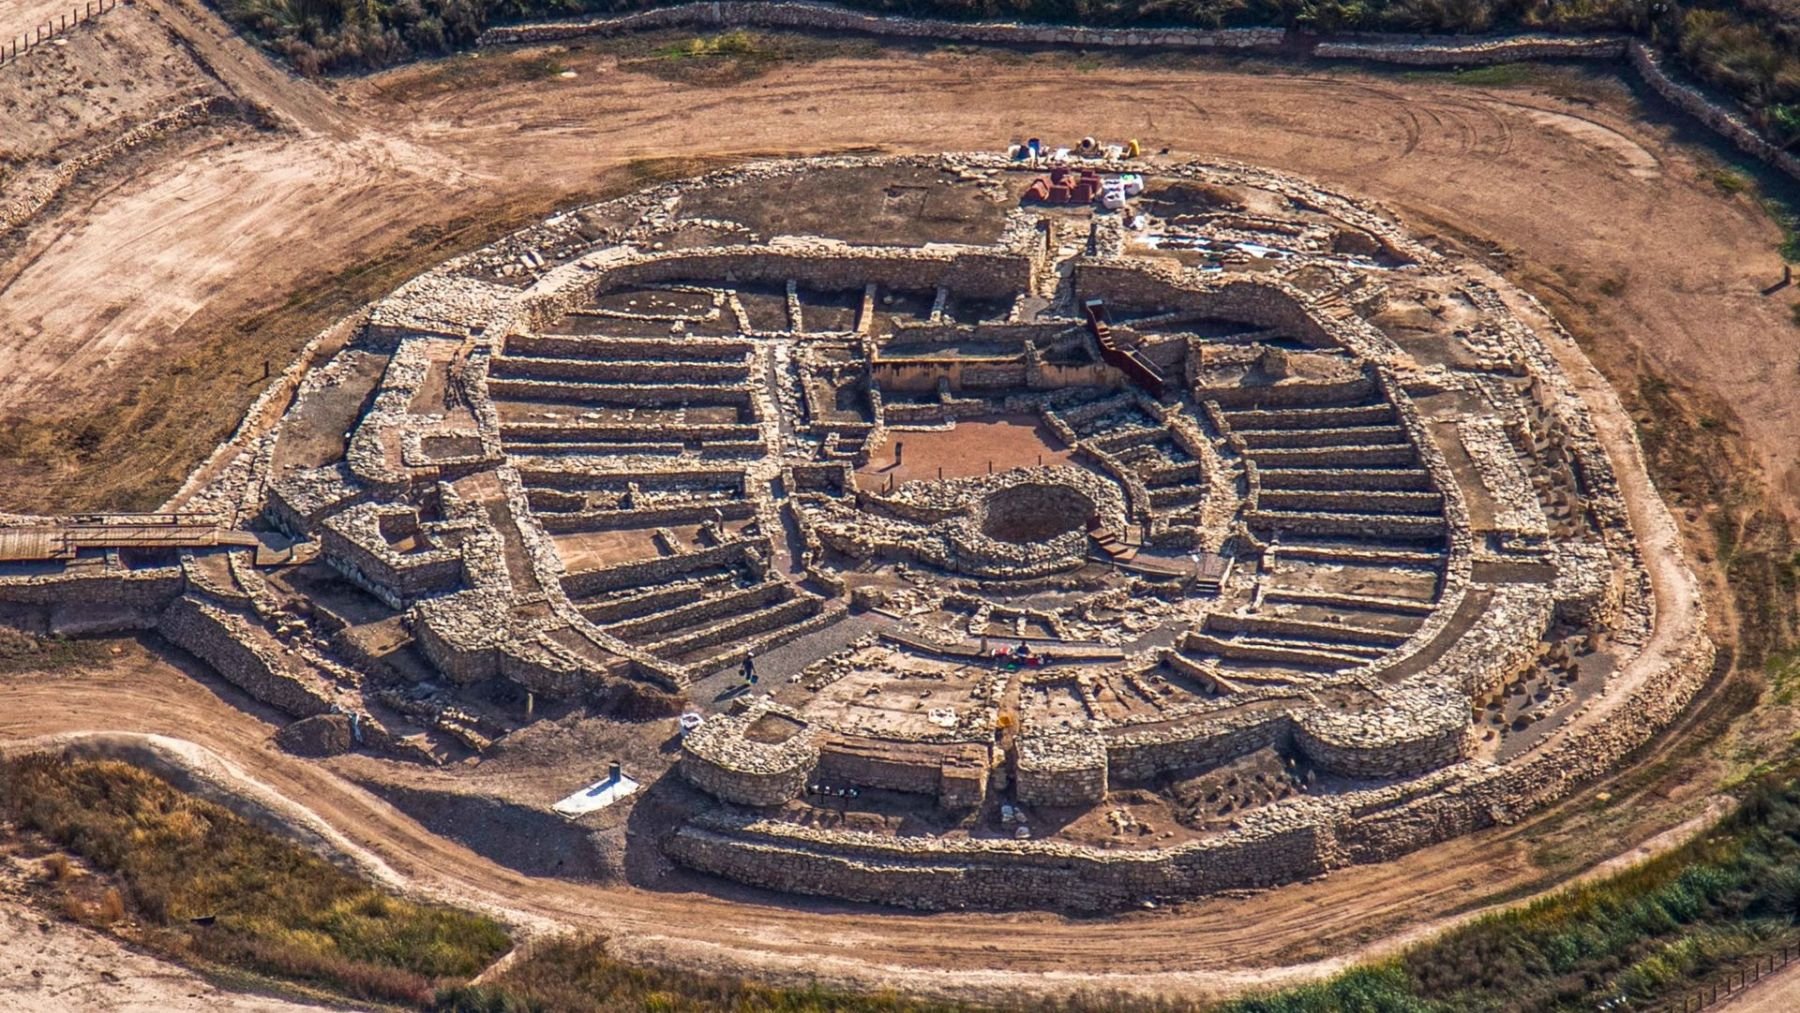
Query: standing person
[(749, 671)]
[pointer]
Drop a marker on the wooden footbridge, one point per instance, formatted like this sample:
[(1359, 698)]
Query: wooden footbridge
[(64, 541)]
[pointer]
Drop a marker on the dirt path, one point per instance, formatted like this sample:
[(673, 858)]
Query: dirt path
[(1777, 993), (1203, 949)]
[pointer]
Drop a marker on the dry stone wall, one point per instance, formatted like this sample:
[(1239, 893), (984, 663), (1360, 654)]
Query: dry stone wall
[(938, 875), (825, 17), (224, 642), (1470, 50), (1728, 122)]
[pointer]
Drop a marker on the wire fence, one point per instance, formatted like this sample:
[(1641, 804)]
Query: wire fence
[(12, 49), (1734, 981)]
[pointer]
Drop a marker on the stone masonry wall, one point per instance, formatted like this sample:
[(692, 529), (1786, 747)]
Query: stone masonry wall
[(1142, 754), (1727, 122), (1468, 51), (938, 875), (718, 759), (1373, 826), (214, 636), (658, 571), (825, 17)]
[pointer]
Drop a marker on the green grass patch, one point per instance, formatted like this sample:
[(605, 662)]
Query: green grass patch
[(211, 886), (1783, 670), (724, 58), (1789, 222), (1726, 181), (1643, 935), (738, 44), (1494, 75)]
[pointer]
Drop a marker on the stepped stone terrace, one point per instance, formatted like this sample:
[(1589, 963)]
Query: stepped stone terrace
[(1085, 557)]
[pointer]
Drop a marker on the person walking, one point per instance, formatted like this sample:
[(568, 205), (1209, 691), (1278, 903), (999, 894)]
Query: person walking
[(749, 671)]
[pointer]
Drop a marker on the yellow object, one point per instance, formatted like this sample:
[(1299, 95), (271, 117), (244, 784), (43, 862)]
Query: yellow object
[(1131, 149)]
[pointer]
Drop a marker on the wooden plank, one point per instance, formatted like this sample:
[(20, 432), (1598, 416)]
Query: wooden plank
[(18, 544)]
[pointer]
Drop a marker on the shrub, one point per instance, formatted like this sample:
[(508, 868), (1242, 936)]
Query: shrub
[(230, 892)]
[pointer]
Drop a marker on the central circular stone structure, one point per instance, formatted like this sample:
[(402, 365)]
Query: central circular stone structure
[(1085, 556), (1033, 512)]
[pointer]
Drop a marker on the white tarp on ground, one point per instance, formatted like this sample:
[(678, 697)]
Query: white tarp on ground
[(598, 795)]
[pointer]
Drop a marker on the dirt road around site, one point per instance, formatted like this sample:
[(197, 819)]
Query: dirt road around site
[(178, 249), (208, 734)]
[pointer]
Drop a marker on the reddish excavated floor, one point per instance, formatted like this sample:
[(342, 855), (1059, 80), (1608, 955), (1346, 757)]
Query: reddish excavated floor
[(974, 447)]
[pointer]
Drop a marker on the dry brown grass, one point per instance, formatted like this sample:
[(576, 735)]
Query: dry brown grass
[(209, 886), (133, 453), (58, 868)]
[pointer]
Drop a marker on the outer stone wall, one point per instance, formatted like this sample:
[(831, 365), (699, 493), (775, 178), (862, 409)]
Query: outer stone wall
[(826, 17), (1060, 770), (990, 875)]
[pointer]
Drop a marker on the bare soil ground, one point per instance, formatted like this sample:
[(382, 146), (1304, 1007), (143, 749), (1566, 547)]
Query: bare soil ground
[(231, 245), (965, 449), (235, 245), (899, 207), (107, 75)]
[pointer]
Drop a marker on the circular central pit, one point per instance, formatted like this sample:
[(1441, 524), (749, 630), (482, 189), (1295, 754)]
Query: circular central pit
[(1034, 512)]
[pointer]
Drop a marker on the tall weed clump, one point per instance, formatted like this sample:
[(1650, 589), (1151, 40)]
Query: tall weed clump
[(214, 886), (1641, 934)]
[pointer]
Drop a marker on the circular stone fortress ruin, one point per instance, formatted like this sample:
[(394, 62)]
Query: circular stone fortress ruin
[(1088, 557)]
